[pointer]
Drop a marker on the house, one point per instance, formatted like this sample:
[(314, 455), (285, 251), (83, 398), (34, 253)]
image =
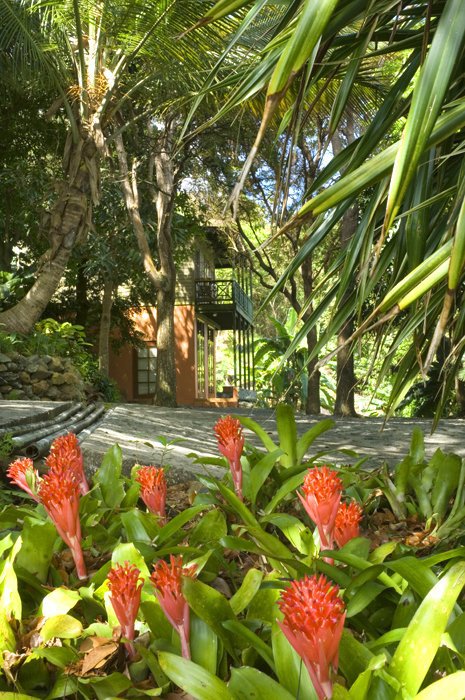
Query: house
[(213, 293)]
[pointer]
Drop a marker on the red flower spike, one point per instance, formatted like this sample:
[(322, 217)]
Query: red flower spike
[(59, 493), (322, 494), (167, 581), (125, 585), (347, 523), (22, 473), (228, 431), (313, 621), (153, 489), (65, 453)]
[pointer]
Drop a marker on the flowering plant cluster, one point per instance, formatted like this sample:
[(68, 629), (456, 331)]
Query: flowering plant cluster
[(336, 522), (125, 585), (58, 491), (228, 598)]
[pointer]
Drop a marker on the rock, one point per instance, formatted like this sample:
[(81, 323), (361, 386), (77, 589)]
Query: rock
[(35, 367), (39, 377), (41, 374), (56, 364), (16, 394), (57, 379), (71, 378), (69, 392), (53, 393), (40, 388)]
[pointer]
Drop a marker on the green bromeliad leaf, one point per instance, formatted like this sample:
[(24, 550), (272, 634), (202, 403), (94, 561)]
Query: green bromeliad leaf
[(248, 684), (193, 679), (211, 607), (451, 687), (108, 477), (36, 551), (59, 602), (416, 651), (61, 626), (247, 591)]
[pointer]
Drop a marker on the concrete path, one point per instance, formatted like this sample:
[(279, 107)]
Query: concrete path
[(136, 429)]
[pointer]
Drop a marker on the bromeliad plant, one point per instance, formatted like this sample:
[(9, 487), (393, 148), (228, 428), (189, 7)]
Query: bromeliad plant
[(167, 582), (125, 586), (314, 616), (322, 490), (432, 491), (231, 444), (153, 488)]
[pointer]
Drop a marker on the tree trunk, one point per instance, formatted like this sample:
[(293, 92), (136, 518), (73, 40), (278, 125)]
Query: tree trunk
[(105, 326), (6, 248), (313, 406), (460, 396), (165, 388), (346, 379), (345, 372), (163, 277), (165, 393), (82, 302), (67, 222)]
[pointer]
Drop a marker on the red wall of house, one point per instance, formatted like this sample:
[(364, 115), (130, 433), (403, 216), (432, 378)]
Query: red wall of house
[(122, 364)]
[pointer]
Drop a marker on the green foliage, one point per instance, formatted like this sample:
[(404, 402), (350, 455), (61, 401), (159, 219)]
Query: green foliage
[(431, 490), (277, 381), (53, 338), (6, 446), (102, 384), (12, 286), (48, 338)]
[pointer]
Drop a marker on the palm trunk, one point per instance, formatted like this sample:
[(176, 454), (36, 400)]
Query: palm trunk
[(68, 221), (105, 326)]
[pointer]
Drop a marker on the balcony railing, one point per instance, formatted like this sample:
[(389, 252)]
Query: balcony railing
[(223, 292)]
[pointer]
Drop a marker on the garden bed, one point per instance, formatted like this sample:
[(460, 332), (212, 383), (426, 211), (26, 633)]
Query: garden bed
[(225, 552)]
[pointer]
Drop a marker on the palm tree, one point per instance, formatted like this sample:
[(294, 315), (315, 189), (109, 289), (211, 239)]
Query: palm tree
[(92, 55), (407, 255)]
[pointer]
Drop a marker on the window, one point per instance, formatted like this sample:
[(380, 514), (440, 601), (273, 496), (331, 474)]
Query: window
[(146, 370)]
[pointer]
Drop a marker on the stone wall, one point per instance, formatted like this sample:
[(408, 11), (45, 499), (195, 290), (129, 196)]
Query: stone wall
[(39, 377)]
